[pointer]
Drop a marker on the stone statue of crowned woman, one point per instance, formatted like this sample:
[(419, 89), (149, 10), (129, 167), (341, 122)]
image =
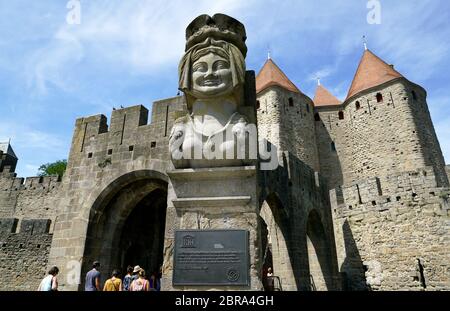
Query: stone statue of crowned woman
[(212, 75)]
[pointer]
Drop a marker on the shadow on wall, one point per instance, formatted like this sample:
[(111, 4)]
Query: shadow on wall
[(330, 165), (291, 191), (319, 254), (352, 269)]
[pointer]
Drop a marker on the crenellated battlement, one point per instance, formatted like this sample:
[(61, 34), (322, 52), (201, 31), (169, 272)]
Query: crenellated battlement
[(130, 118), (128, 136), (38, 183), (378, 194), (29, 197)]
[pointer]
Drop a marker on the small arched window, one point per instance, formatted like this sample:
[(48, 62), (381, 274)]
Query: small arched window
[(414, 95), (341, 115), (333, 146), (307, 108), (358, 105), (291, 102), (257, 104), (317, 117), (379, 97)]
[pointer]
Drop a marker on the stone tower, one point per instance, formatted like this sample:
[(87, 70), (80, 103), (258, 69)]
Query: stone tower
[(294, 198), (383, 126), (285, 114), (327, 132), (8, 159), (360, 200)]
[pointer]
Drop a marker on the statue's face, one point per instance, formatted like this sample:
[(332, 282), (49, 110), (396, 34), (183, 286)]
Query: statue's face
[(211, 76)]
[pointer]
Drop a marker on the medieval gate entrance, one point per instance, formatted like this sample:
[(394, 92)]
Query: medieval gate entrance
[(127, 224)]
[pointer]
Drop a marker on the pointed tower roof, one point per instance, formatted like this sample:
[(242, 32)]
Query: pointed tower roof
[(271, 75), (372, 71), (6, 148), (324, 98)]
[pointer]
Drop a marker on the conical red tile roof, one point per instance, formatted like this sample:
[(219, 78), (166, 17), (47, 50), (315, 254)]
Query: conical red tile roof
[(324, 98), (372, 71), (271, 75)]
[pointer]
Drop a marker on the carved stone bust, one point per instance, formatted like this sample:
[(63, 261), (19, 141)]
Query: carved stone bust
[(212, 77)]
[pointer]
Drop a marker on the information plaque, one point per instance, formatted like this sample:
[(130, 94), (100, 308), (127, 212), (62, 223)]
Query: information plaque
[(211, 257)]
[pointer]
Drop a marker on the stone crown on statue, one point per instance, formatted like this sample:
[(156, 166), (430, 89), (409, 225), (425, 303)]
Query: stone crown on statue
[(219, 27)]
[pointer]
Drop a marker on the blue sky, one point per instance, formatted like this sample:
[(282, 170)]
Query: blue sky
[(127, 52)]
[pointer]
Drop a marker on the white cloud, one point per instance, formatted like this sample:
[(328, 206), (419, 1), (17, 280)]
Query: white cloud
[(321, 74), (142, 35), (29, 138)]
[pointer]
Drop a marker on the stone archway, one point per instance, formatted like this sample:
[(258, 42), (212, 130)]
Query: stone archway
[(275, 248), (319, 256), (126, 226)]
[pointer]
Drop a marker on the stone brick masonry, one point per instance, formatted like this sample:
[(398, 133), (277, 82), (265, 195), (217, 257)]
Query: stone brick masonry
[(385, 225), (387, 229)]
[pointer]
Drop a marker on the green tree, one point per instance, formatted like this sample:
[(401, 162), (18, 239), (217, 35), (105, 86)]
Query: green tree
[(55, 168)]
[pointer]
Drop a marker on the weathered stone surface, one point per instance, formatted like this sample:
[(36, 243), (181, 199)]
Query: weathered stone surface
[(23, 259), (379, 138), (380, 239), (384, 226)]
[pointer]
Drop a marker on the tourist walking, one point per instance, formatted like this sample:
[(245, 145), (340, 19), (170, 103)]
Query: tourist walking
[(93, 278), (114, 284), (135, 275), (140, 284), (128, 278), (50, 282)]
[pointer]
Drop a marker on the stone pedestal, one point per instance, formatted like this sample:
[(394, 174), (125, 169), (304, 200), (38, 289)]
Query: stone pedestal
[(209, 199)]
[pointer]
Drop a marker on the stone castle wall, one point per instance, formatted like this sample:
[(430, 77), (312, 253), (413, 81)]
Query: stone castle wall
[(102, 160), (383, 226), (331, 157), (429, 143), (286, 120), (302, 246), (28, 210), (23, 252), (378, 138), (33, 197), (383, 218)]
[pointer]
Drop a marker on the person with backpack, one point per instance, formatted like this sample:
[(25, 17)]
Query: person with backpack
[(50, 282), (114, 284), (140, 284)]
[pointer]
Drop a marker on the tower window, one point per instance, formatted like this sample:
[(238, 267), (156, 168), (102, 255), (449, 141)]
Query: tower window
[(291, 102), (358, 105), (317, 117), (333, 146), (341, 115), (379, 97), (414, 95), (258, 104), (307, 107)]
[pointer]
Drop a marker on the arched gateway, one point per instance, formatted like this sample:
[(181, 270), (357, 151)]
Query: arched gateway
[(134, 192), (127, 222)]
